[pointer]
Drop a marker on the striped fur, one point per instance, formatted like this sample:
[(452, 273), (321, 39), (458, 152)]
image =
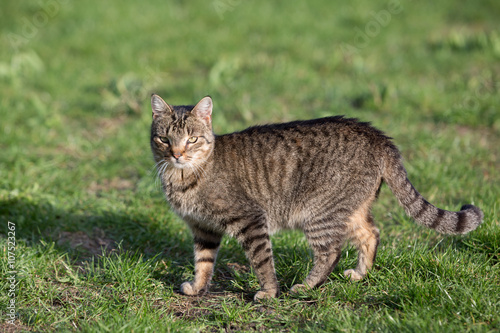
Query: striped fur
[(467, 219), (320, 176)]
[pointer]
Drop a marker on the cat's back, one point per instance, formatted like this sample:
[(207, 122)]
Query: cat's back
[(288, 164), (319, 136)]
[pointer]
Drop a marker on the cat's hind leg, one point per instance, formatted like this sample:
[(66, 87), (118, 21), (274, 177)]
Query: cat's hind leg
[(326, 237), (365, 237)]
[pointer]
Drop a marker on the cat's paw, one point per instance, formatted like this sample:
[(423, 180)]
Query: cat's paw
[(187, 288), (353, 275), (299, 288), (265, 294)]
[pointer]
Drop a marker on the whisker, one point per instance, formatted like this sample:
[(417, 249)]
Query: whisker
[(159, 169), (162, 170), (154, 167), (201, 170), (195, 171), (154, 174)]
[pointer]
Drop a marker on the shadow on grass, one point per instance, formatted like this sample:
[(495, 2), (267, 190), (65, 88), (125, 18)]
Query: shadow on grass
[(87, 237)]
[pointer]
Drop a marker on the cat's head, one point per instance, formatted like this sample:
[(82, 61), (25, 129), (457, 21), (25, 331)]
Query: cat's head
[(181, 135)]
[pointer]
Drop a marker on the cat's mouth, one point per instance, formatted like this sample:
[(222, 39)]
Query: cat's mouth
[(179, 163)]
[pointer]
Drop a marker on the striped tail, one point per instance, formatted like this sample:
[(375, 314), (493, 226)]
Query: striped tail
[(467, 219)]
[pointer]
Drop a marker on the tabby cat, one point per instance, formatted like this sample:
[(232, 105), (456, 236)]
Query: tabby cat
[(320, 176)]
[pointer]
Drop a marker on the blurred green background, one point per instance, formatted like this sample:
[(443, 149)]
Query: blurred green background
[(76, 171)]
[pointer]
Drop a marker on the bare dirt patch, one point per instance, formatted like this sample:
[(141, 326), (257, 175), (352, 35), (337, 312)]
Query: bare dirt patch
[(95, 244), (14, 328)]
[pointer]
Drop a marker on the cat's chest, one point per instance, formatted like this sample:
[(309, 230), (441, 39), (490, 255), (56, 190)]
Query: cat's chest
[(183, 195), (203, 200)]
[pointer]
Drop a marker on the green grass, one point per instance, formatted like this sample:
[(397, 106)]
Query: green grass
[(97, 248)]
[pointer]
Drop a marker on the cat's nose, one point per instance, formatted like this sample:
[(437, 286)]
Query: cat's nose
[(177, 155)]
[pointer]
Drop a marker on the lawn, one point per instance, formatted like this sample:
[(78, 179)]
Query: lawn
[(97, 248)]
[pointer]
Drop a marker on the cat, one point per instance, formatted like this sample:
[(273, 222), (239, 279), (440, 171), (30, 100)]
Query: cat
[(320, 176)]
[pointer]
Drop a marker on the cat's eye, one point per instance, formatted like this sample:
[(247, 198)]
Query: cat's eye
[(193, 139), (164, 139)]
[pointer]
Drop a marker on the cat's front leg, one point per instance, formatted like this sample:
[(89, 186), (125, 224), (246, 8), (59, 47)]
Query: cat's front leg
[(206, 246)]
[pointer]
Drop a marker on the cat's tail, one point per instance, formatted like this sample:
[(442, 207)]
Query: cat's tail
[(467, 219)]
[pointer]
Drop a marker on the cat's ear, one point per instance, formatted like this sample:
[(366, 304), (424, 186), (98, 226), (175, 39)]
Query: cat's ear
[(203, 109), (159, 106)]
